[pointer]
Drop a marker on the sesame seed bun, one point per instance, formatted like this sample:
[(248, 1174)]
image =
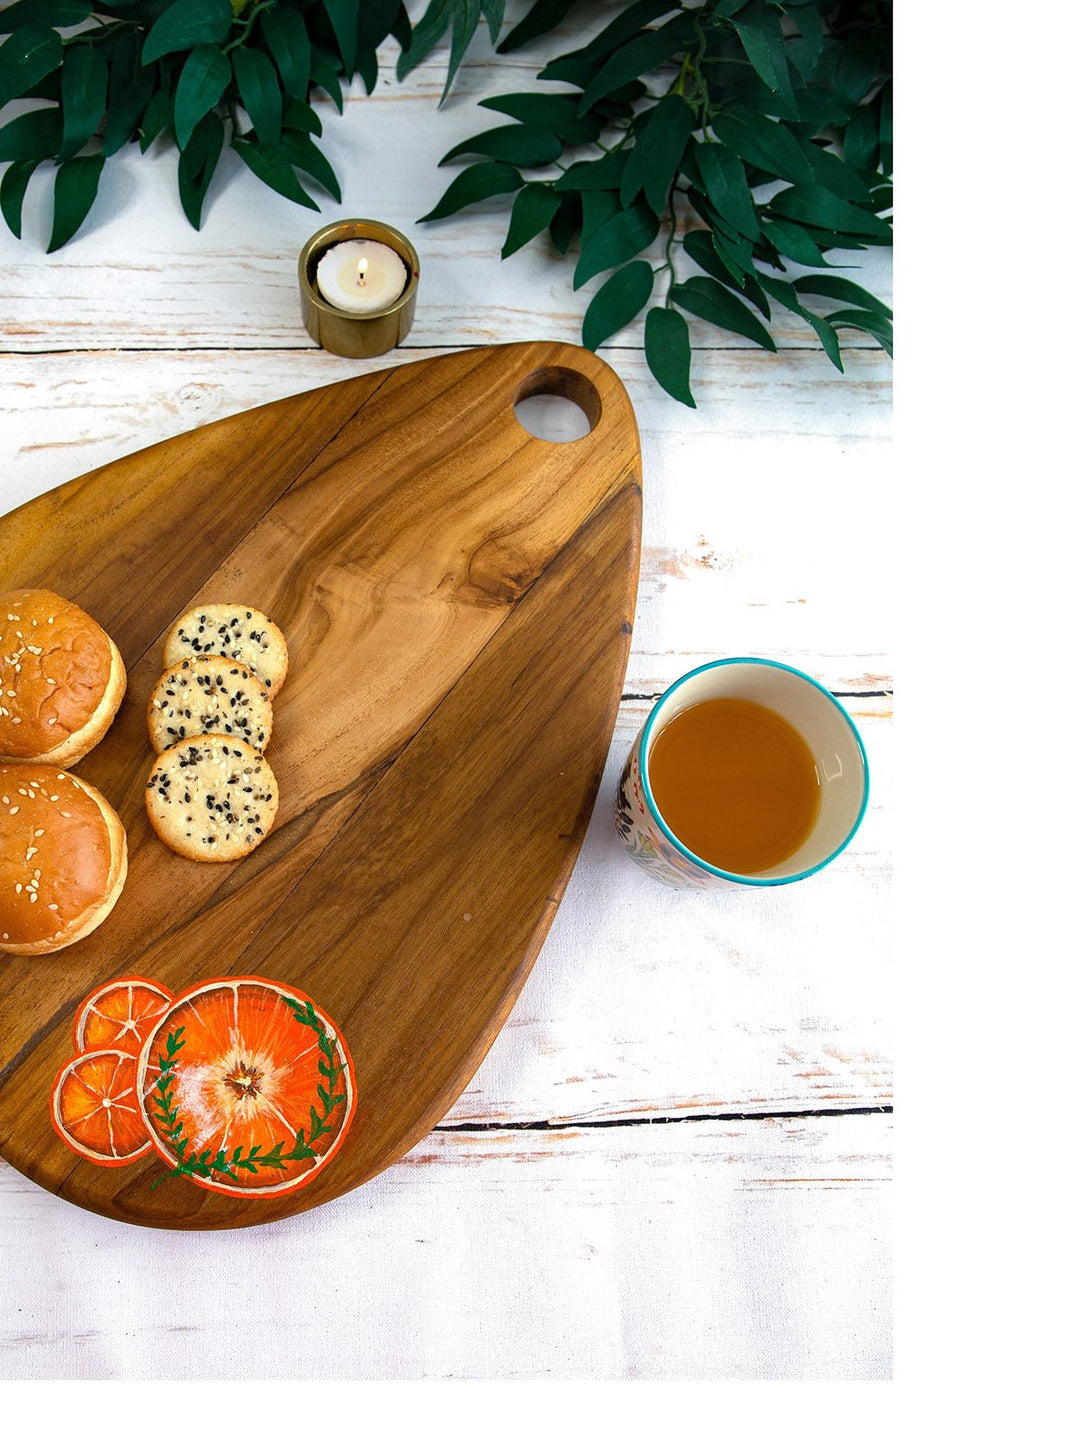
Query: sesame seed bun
[(61, 679), (63, 859)]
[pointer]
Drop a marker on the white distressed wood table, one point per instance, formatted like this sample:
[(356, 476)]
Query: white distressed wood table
[(675, 1161)]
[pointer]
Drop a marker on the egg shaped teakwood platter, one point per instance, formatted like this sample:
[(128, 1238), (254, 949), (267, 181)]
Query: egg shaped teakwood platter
[(457, 597)]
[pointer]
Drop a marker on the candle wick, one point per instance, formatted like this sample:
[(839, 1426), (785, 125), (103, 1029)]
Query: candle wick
[(361, 269)]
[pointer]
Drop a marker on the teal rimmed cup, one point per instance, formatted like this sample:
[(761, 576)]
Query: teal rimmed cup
[(839, 761)]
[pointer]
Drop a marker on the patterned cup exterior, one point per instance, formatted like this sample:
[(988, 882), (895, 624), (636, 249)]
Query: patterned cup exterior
[(840, 759), (646, 842)]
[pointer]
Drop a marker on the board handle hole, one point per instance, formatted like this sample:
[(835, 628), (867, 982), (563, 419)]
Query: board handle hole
[(554, 403)]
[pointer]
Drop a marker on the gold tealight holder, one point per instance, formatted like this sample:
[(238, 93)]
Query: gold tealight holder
[(341, 331)]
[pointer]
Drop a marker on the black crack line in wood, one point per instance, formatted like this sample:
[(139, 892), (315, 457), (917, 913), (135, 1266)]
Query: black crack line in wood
[(484, 1126)]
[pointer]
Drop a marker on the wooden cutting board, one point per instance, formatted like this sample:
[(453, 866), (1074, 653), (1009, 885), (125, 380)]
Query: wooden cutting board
[(457, 597)]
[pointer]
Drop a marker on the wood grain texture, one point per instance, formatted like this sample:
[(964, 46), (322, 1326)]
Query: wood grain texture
[(457, 597)]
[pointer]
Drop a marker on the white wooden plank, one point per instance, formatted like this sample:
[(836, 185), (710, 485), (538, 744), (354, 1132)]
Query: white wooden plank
[(702, 1250)]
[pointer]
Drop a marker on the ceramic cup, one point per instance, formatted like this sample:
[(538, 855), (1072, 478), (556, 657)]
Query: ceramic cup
[(839, 759)]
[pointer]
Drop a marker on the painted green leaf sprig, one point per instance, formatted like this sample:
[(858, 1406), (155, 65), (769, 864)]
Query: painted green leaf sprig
[(745, 136), (206, 1164)]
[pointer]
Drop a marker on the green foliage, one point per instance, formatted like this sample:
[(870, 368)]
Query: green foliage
[(728, 140), (768, 122), (202, 73)]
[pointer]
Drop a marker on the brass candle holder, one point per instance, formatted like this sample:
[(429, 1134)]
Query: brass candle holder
[(343, 332)]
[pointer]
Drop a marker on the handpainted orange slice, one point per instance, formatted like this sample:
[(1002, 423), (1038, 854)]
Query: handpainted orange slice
[(120, 1015), (96, 1110), (254, 1092)]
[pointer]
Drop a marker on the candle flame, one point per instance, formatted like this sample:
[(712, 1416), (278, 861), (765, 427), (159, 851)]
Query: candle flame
[(361, 271)]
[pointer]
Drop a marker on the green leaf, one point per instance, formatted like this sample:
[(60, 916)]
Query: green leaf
[(872, 322), (44, 12), (828, 337), (838, 175), (494, 10), (197, 163), (793, 241), (704, 250), (272, 166), (618, 239), (260, 92), (543, 16), (566, 222), (534, 209), (661, 145), (632, 181), (602, 174), (763, 142), (626, 26), (858, 66), (804, 47), (724, 179), (344, 16), (616, 303), (637, 57), (426, 34), (12, 191), (32, 136), (287, 41), (186, 24), (786, 294), (26, 57), (73, 194), (814, 205), (516, 144), (130, 88), (860, 143), (835, 287), (295, 115), (84, 83), (466, 21), (667, 352), (885, 135), (557, 113), (758, 28), (597, 207), (402, 28), (306, 156), (324, 74), (708, 299), (367, 67), (375, 20), (201, 85), (477, 182), (156, 117)]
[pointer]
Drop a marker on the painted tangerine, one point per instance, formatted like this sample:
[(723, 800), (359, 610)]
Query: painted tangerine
[(120, 1015), (257, 1071), (95, 1108)]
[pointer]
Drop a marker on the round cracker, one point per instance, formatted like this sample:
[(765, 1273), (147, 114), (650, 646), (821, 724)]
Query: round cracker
[(236, 631), (212, 798), (209, 696)]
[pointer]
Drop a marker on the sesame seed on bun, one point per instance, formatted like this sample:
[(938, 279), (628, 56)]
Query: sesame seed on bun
[(63, 858), (61, 679)]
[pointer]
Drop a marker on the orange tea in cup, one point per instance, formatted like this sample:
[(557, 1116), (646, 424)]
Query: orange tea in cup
[(736, 782)]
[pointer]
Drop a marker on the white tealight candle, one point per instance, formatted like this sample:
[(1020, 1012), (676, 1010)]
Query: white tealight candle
[(361, 275)]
